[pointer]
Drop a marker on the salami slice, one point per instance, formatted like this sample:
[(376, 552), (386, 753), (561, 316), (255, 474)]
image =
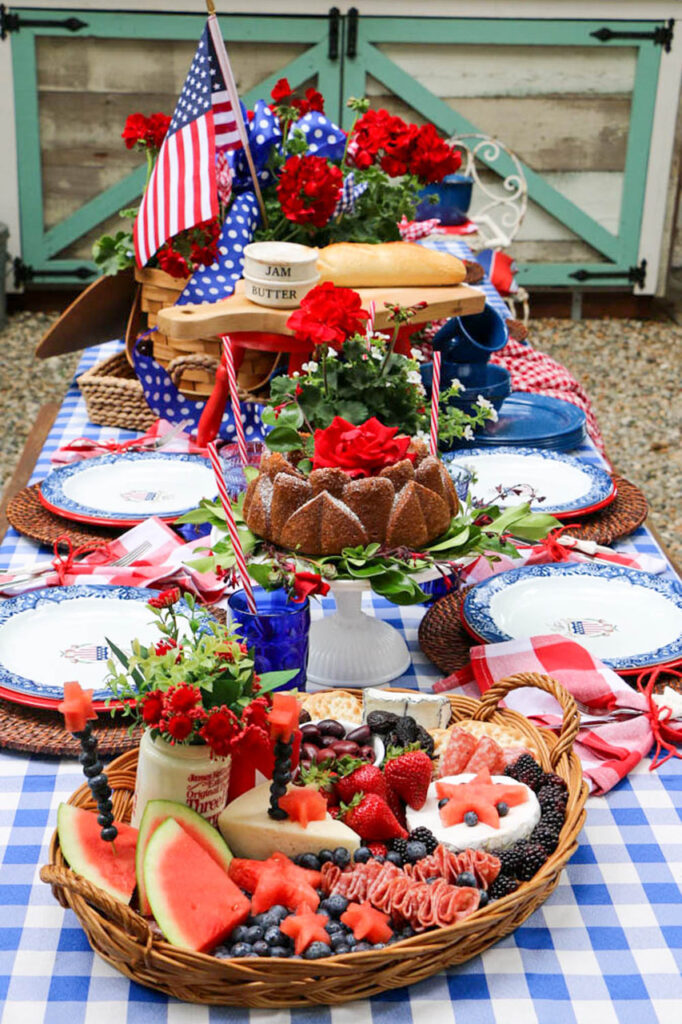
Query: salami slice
[(459, 750), (488, 754)]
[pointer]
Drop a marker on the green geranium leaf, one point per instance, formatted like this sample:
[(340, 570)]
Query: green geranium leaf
[(271, 680), (283, 439)]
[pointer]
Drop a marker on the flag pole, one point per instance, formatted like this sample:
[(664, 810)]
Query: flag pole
[(226, 69)]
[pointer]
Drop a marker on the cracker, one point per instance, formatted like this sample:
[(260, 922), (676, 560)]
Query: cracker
[(335, 704)]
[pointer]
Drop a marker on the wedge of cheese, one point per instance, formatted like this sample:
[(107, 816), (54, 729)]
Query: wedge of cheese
[(430, 710), (249, 831)]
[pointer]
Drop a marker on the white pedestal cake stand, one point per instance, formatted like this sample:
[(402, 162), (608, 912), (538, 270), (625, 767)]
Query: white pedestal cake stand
[(351, 648)]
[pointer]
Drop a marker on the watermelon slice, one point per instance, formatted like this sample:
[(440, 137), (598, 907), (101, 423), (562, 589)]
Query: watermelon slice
[(158, 811), (194, 902), (246, 873), (109, 866)]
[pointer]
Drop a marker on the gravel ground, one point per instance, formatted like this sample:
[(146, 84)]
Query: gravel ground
[(630, 368)]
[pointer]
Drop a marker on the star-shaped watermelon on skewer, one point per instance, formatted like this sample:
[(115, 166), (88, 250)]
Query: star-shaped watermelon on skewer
[(480, 796)]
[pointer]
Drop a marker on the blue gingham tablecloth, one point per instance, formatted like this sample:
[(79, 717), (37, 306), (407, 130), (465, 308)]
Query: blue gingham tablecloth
[(606, 948)]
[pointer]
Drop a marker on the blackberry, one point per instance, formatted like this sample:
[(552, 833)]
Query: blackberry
[(525, 769), (509, 861), (550, 796), (532, 856), (400, 846), (502, 886), (425, 836), (551, 779), (553, 817), (547, 836)]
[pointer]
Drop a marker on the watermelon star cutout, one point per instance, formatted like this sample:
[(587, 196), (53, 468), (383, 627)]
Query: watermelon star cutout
[(480, 795), (304, 804), (76, 707), (367, 923), (305, 927)]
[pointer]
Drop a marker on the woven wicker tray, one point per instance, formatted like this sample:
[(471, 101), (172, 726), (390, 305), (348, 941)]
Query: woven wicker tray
[(124, 939), (29, 517)]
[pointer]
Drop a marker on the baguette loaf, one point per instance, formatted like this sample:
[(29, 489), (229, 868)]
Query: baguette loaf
[(363, 265)]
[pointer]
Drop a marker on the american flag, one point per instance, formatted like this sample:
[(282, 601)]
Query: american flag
[(182, 189)]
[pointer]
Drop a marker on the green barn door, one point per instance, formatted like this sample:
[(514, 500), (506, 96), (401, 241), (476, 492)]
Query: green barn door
[(73, 91), (574, 106)]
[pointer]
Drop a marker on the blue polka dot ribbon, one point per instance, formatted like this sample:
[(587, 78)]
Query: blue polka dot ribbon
[(264, 132), (324, 138)]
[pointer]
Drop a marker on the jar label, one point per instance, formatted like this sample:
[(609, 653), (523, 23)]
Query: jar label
[(206, 794)]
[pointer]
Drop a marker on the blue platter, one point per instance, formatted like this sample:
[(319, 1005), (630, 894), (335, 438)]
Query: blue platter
[(628, 619), (534, 421)]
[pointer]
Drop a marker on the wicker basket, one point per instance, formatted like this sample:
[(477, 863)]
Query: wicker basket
[(114, 396), (124, 939), (158, 290)]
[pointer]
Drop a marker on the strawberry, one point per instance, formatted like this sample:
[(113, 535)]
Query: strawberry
[(378, 849), (363, 778), (323, 778), (372, 818), (409, 774), (396, 805)]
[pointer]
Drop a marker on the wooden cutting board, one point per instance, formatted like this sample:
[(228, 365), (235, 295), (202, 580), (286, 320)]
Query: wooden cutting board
[(237, 313), (100, 313)]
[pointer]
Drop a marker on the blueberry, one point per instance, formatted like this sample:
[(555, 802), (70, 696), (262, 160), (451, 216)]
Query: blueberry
[(316, 950), (240, 933), (91, 770), (109, 833), (394, 857), (335, 905), (332, 927), (254, 933), (380, 858), (341, 857), (339, 939), (324, 856), (277, 913), (362, 855), (471, 819), (261, 948), (105, 819), (278, 788), (362, 947), (351, 940), (442, 802), (466, 878), (309, 861), (502, 809), (241, 949), (279, 951), (379, 945), (260, 919), (415, 851), (483, 898), (222, 952), (273, 936), (341, 948)]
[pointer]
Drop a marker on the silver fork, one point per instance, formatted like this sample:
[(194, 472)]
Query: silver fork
[(43, 568)]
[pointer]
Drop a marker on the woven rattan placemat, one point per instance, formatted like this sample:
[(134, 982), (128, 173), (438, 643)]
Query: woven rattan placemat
[(620, 518), (29, 517), (41, 731)]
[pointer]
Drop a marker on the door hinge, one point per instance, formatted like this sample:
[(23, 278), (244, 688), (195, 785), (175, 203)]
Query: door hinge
[(12, 22), (634, 275), (24, 272), (352, 33), (334, 30), (662, 35)]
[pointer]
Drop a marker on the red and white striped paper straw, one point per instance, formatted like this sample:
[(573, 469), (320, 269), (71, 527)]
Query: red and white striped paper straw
[(234, 399), (435, 395), (232, 527), (372, 308)]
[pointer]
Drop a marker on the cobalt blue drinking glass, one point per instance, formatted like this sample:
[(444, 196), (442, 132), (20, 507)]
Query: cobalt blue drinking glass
[(278, 632)]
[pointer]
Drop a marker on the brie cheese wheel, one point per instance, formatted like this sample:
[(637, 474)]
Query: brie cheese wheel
[(431, 710), (517, 824), (249, 831)]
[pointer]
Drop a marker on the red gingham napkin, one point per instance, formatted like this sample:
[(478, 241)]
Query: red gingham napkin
[(608, 750), (87, 447)]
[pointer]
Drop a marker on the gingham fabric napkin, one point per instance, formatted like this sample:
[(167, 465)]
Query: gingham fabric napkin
[(609, 746), (158, 560), (87, 447)]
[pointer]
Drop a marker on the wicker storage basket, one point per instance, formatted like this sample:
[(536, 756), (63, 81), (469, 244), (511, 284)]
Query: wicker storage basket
[(123, 938), (158, 290), (114, 396)]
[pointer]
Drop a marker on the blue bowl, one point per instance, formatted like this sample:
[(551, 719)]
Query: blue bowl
[(494, 387), (454, 196), (473, 338)]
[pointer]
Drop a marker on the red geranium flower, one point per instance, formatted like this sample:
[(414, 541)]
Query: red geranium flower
[(220, 729), (359, 451), (157, 128), (281, 90), (165, 598), (179, 726), (184, 697), (328, 315), (164, 646), (371, 133), (152, 707), (306, 584), (256, 713), (135, 130), (431, 157), (172, 262), (309, 189)]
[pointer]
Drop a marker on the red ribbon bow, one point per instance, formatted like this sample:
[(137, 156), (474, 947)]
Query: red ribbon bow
[(665, 735), (87, 444), (63, 564), (550, 545)]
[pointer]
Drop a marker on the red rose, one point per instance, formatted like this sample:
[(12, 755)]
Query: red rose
[(280, 91), (135, 130), (306, 584), (431, 157), (309, 189), (220, 730), (152, 707), (179, 726), (359, 451), (157, 127), (172, 262), (165, 598), (184, 697), (328, 315)]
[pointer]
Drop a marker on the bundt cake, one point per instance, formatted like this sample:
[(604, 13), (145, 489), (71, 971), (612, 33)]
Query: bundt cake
[(407, 504)]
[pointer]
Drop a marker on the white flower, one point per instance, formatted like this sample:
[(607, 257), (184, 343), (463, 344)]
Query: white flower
[(483, 402), (310, 367), (422, 435), (414, 377), (296, 374), (468, 434), (376, 353), (456, 383), (417, 354), (493, 415), (331, 353)]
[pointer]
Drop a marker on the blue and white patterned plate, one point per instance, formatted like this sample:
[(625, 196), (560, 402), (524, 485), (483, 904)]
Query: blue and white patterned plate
[(553, 483), (127, 488), (50, 636), (628, 619)]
